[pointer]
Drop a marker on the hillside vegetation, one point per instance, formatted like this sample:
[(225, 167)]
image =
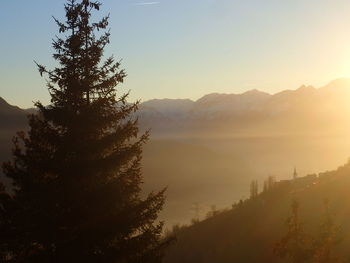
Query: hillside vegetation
[(249, 231)]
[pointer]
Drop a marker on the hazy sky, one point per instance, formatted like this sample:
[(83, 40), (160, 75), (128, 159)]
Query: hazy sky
[(188, 48)]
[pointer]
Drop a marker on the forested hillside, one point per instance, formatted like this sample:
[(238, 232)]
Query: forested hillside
[(249, 231)]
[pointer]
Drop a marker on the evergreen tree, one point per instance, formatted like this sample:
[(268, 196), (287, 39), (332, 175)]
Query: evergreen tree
[(265, 187), (295, 245), (328, 239), (269, 183), (254, 189), (76, 173)]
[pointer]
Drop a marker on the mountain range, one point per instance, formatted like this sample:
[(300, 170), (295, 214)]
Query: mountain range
[(207, 151), (326, 103), (306, 106)]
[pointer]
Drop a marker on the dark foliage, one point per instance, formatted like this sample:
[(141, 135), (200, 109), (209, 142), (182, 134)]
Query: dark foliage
[(254, 189), (299, 247), (76, 173), (328, 239), (249, 231), (295, 245)]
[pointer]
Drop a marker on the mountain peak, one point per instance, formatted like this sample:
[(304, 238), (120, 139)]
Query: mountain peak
[(3, 102), (249, 93), (5, 107), (305, 88), (255, 92)]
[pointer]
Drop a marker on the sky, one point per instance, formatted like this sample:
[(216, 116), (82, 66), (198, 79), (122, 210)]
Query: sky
[(188, 48)]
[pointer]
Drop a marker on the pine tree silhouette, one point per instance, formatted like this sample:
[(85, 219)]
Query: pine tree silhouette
[(76, 173), (254, 189)]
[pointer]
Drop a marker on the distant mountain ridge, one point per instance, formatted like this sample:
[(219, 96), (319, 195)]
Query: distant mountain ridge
[(250, 100), (11, 116), (318, 105), (304, 107), (7, 108)]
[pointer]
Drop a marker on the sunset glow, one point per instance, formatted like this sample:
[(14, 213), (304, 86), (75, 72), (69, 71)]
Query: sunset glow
[(167, 131), (186, 49)]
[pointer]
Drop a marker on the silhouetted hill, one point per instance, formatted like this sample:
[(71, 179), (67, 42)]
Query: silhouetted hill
[(249, 231), (11, 116), (12, 119)]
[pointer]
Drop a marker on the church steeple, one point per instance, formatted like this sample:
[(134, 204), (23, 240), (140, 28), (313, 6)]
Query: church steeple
[(295, 174)]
